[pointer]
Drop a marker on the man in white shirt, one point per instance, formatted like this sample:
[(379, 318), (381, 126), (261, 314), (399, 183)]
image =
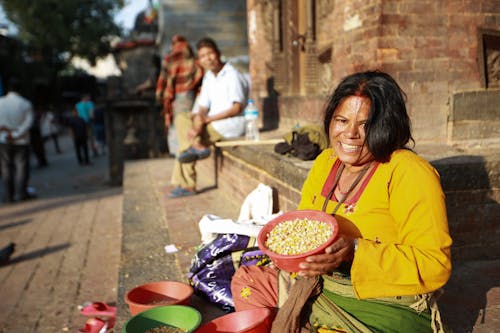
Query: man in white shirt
[(223, 96), (16, 117)]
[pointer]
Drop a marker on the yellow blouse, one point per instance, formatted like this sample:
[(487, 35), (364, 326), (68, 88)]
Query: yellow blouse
[(400, 222)]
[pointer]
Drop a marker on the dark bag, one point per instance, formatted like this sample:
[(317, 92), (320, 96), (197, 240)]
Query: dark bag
[(214, 265), (305, 143)]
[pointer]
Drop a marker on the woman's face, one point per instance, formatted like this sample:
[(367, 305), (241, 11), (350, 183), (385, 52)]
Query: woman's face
[(347, 131)]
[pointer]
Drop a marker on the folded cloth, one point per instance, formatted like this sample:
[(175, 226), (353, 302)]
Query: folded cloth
[(211, 225), (288, 318), (257, 205)]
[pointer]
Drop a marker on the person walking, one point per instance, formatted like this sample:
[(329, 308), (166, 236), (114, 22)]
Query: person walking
[(85, 108), (36, 138), (16, 118), (79, 132), (50, 129), (99, 129), (177, 85), (223, 96)]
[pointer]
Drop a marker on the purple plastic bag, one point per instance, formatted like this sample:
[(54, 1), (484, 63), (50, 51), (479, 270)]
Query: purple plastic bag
[(214, 265), (219, 247), (214, 282)]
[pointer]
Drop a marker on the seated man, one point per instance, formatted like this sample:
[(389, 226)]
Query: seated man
[(223, 96)]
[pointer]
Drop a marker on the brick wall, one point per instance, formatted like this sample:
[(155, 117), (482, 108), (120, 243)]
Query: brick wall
[(475, 115), (224, 21), (430, 47), (240, 177)]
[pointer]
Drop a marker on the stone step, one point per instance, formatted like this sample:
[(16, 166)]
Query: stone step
[(469, 176), (151, 221)]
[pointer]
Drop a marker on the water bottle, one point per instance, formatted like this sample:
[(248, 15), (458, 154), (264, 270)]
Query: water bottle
[(251, 121)]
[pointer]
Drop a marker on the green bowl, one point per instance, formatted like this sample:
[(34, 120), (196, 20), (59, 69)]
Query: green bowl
[(180, 316)]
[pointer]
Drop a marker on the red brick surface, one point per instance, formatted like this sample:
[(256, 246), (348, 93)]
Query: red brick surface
[(67, 246)]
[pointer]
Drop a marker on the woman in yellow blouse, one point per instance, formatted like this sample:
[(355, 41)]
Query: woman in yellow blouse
[(394, 249)]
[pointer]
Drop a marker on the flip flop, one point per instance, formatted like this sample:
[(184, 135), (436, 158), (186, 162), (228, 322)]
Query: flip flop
[(181, 192), (98, 309), (94, 325)]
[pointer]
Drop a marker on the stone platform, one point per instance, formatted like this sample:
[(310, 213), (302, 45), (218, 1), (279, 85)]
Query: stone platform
[(151, 221)]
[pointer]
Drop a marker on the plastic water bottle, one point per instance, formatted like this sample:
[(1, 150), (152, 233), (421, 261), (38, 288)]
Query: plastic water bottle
[(251, 121)]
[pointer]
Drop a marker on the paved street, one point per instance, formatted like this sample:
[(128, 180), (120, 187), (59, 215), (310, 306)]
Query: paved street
[(67, 245)]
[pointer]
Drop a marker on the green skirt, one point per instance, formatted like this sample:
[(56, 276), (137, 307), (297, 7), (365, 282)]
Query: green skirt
[(337, 308)]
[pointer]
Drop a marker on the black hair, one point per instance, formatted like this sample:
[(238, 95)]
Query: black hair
[(14, 84), (207, 42), (388, 126)]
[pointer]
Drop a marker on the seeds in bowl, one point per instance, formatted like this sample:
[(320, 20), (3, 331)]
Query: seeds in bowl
[(165, 329), (297, 236)]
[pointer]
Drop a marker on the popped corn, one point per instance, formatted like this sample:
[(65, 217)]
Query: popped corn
[(297, 236)]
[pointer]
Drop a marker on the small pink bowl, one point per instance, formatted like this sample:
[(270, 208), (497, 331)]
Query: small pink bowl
[(155, 294), (246, 321)]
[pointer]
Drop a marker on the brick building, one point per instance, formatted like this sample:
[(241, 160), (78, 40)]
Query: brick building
[(445, 54), (224, 21)]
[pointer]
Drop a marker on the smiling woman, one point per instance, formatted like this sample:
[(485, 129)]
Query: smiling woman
[(393, 251)]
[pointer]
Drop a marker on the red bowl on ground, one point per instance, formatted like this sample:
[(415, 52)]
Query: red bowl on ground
[(155, 294), (246, 321), (290, 263)]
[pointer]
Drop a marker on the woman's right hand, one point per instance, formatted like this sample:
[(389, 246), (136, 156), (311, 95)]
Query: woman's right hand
[(341, 250)]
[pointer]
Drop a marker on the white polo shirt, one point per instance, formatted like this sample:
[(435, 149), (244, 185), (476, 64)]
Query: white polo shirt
[(218, 93), (16, 113)]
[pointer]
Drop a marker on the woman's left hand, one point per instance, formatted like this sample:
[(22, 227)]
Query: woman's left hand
[(341, 250)]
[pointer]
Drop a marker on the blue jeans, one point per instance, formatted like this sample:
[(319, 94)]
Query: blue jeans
[(14, 163)]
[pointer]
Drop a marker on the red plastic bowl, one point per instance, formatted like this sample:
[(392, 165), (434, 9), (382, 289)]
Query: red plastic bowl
[(155, 294), (290, 263), (246, 321)]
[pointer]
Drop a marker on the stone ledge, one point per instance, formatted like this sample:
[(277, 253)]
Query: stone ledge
[(291, 170), (480, 166), (142, 260), (470, 180)]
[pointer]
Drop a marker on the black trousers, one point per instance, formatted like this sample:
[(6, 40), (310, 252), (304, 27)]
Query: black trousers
[(81, 149), (15, 164)]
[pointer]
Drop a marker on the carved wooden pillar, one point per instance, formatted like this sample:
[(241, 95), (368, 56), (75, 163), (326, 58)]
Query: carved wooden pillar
[(311, 64), (278, 52), (291, 53)]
